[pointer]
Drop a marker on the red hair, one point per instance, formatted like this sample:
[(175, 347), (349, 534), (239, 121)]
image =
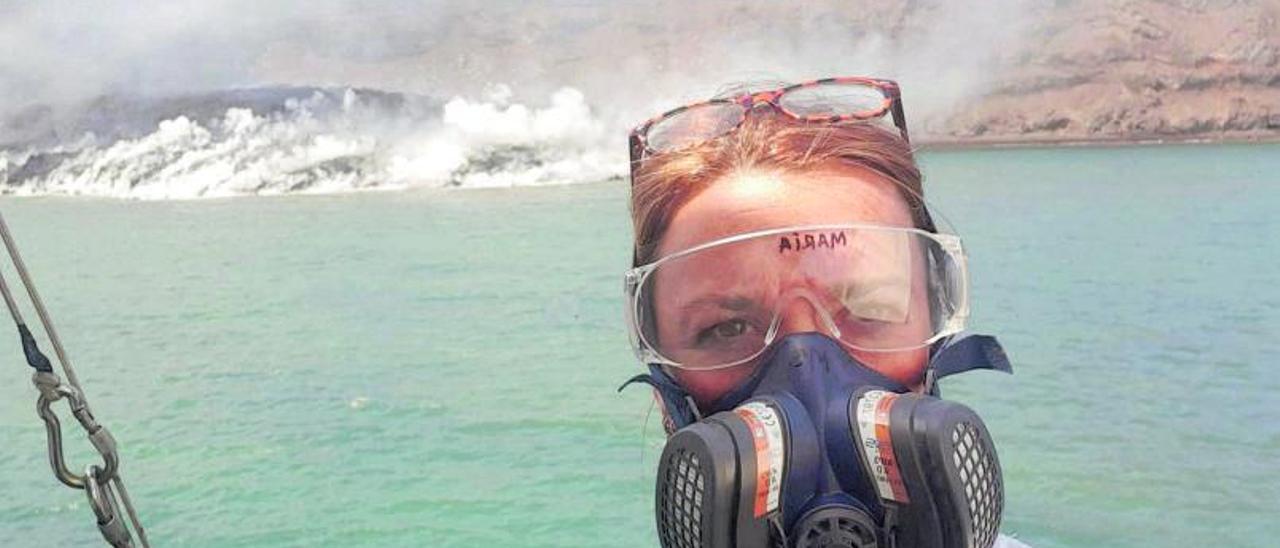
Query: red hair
[(663, 183)]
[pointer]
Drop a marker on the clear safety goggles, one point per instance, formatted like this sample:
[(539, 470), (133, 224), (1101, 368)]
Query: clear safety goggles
[(722, 303)]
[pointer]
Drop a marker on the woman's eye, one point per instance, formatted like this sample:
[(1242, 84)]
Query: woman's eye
[(724, 330), (860, 320)]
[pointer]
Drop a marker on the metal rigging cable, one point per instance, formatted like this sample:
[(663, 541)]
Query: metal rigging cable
[(100, 483)]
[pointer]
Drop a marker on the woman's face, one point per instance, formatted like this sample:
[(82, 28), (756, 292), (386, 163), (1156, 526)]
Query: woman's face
[(754, 200)]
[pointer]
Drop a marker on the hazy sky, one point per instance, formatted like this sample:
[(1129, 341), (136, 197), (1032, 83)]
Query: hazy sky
[(626, 56)]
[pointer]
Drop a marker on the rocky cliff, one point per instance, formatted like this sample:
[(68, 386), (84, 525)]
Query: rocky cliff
[(1134, 70)]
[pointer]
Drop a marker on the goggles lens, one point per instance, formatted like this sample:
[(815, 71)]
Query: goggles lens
[(873, 288)]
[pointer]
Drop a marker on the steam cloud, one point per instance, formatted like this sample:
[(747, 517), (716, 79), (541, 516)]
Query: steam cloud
[(497, 94)]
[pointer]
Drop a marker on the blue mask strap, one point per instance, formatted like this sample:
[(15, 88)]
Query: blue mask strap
[(964, 352), (679, 409), (956, 354)]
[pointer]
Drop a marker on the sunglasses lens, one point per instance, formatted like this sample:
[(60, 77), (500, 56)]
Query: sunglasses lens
[(834, 99), (694, 125)]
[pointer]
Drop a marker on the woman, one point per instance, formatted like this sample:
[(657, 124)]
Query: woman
[(783, 247)]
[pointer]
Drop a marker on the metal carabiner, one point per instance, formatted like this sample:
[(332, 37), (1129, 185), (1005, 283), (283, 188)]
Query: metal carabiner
[(51, 390), (103, 501)]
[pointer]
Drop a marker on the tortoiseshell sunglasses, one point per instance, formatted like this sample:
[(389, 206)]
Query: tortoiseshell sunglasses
[(829, 100)]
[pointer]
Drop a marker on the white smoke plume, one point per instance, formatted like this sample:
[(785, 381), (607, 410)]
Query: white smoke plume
[(495, 93)]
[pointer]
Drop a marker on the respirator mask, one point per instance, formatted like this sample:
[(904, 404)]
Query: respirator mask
[(815, 448)]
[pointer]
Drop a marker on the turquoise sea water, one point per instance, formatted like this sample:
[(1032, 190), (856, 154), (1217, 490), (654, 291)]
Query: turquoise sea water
[(437, 368)]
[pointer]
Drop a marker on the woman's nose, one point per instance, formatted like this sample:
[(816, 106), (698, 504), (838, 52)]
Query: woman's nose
[(801, 314)]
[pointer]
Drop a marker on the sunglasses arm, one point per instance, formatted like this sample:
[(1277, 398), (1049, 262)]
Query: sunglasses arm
[(900, 117)]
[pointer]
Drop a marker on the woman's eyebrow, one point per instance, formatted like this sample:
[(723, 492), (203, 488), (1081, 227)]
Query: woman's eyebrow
[(727, 302), (714, 301)]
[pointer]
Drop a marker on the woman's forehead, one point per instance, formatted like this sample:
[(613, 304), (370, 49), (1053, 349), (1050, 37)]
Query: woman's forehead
[(756, 200)]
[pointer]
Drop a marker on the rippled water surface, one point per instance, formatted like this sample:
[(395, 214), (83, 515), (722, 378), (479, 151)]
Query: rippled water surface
[(438, 368)]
